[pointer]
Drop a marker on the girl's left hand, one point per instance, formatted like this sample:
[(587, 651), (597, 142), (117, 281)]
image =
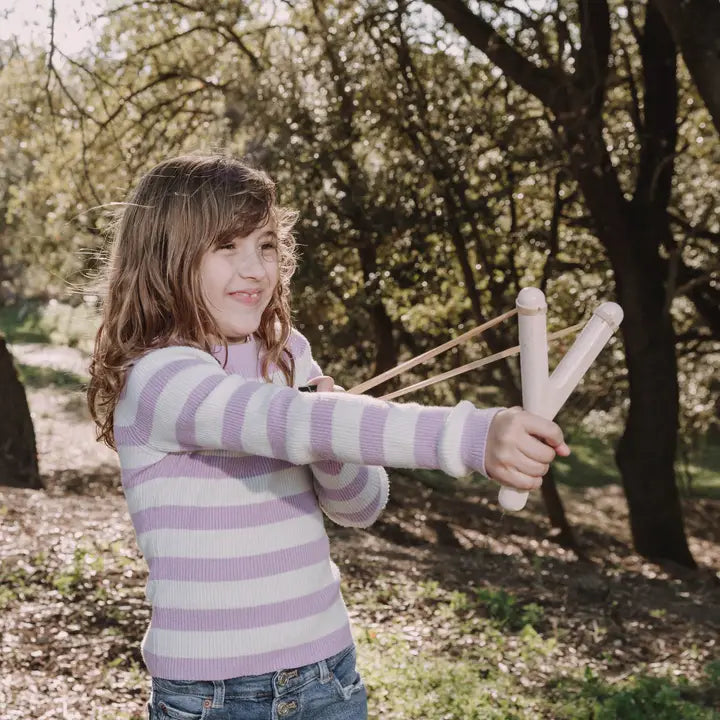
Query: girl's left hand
[(325, 384)]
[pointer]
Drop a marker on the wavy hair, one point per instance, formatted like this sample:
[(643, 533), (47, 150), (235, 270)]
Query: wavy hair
[(150, 284)]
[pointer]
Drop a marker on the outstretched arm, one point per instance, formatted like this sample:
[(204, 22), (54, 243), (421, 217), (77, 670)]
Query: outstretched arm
[(178, 399)]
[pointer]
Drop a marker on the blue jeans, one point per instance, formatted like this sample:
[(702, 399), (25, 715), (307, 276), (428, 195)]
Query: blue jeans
[(328, 690)]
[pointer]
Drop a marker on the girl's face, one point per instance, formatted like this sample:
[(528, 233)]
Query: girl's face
[(238, 280)]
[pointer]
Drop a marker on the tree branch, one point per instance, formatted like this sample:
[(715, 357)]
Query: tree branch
[(549, 85)]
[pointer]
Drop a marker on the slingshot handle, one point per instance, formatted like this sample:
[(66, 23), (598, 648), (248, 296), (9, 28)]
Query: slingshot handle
[(545, 396)]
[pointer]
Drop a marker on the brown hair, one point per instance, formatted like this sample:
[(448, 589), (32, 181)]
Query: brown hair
[(152, 295)]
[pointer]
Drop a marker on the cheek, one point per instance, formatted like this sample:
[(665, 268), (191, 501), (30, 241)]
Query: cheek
[(273, 271), (214, 275)]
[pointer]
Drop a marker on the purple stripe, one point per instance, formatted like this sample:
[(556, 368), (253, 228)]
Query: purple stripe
[(242, 359), (138, 433), (427, 436), (298, 344), (234, 415), (239, 568), (233, 517), (185, 425), (213, 467), (349, 491), (321, 427), (277, 422), (372, 431), (474, 438), (259, 664), (249, 617), (329, 467), (363, 517)]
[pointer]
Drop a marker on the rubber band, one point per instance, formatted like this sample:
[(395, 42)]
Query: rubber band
[(412, 362), (475, 365)]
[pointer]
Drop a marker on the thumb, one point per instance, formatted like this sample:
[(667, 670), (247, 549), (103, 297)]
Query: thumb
[(324, 383), (562, 449)]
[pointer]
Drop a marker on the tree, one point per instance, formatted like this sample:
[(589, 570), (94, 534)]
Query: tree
[(634, 229), (18, 455), (431, 186), (695, 27)]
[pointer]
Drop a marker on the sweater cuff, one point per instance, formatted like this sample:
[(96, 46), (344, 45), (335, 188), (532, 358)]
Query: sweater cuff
[(474, 439), (450, 457)]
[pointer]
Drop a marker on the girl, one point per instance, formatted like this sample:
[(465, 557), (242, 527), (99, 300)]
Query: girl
[(227, 466)]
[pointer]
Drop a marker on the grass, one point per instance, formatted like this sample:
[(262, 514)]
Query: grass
[(36, 377), (701, 475), (489, 683), (590, 464), (640, 697)]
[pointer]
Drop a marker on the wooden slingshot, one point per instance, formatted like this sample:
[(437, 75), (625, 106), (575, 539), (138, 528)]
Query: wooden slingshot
[(541, 394)]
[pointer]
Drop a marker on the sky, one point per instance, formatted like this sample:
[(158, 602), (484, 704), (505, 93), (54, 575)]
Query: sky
[(30, 20)]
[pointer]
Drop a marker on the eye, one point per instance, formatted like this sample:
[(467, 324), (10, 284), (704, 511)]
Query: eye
[(226, 245), (269, 251)]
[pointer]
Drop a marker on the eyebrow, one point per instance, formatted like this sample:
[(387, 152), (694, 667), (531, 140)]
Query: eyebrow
[(270, 233)]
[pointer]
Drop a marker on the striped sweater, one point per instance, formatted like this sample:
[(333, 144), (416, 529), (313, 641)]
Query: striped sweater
[(226, 478)]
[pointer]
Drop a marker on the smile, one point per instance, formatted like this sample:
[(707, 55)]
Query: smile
[(246, 298)]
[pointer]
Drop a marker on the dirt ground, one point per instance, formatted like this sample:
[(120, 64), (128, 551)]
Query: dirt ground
[(72, 584)]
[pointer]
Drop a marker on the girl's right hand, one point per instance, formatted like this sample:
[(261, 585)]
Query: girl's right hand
[(325, 383), (520, 447)]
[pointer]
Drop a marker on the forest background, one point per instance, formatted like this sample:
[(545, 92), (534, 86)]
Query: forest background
[(441, 155)]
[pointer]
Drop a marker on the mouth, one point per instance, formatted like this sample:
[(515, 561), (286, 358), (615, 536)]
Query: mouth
[(247, 297)]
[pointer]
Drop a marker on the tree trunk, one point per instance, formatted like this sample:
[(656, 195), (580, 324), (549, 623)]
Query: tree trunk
[(695, 27), (646, 452), (385, 348), (18, 454)]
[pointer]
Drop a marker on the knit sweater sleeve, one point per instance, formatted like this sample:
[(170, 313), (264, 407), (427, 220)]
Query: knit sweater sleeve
[(178, 399), (350, 495)]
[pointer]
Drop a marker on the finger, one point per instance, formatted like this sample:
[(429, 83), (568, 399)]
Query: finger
[(339, 388), (536, 449), (514, 478), (530, 467), (563, 449), (546, 430)]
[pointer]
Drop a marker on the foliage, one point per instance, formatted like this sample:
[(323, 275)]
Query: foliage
[(639, 698), (431, 187)]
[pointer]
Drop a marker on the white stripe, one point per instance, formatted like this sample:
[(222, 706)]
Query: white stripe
[(187, 595), (210, 413), (254, 430), (143, 371), (244, 542), (332, 480), (346, 429), (236, 643), (210, 492), (399, 444), (297, 434), (377, 477), (303, 364), (139, 456)]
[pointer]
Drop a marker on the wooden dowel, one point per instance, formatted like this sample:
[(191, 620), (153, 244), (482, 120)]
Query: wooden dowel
[(475, 364), (412, 362)]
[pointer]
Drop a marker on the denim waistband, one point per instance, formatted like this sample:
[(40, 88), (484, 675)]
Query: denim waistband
[(273, 684)]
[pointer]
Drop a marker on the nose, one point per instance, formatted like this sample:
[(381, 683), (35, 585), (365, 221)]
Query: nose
[(250, 265)]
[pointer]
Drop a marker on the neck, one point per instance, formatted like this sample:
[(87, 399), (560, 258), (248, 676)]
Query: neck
[(241, 339)]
